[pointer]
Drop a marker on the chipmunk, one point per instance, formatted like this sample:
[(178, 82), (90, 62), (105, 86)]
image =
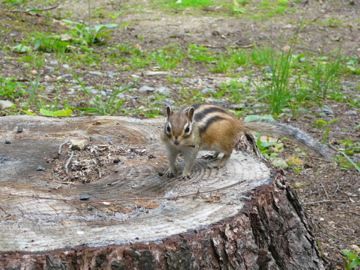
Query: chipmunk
[(209, 127)]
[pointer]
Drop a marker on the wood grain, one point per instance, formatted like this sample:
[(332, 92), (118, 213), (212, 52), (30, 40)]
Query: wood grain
[(42, 211)]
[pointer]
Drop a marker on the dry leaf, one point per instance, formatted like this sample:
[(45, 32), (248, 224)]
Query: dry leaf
[(147, 205), (116, 208), (295, 161), (211, 199)]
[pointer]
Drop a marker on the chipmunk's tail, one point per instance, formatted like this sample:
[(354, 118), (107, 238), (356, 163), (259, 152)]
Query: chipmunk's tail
[(278, 130)]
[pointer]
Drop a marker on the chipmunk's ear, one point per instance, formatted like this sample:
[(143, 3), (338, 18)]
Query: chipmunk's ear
[(169, 111), (190, 113)]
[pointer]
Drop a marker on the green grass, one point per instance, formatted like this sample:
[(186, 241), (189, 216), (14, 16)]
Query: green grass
[(279, 80), (182, 4), (10, 88)]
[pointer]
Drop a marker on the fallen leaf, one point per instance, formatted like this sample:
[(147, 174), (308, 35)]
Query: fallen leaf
[(147, 205)]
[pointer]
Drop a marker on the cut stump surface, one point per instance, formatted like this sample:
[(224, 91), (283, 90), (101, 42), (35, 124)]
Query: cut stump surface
[(76, 189)]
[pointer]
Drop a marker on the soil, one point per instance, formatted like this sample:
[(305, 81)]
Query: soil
[(330, 193)]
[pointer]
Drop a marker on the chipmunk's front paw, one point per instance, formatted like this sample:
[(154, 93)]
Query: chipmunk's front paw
[(185, 175), (170, 173)]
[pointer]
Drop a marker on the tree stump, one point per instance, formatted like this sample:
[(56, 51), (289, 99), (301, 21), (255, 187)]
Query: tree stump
[(85, 193)]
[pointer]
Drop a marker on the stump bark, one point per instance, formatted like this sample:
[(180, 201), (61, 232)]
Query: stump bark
[(85, 193)]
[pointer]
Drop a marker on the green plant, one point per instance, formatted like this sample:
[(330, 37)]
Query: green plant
[(352, 65), (325, 75), (50, 43), (351, 261), (167, 58), (10, 88), (199, 53), (322, 124), (221, 64), (33, 94), (91, 35), (187, 3), (57, 113), (109, 106), (234, 90), (240, 57), (14, 2), (278, 91)]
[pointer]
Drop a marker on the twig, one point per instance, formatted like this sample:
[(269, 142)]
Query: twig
[(68, 162), (336, 190), (326, 201), (326, 194), (30, 10), (60, 147)]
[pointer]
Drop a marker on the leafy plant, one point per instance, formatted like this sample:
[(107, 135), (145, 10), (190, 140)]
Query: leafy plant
[(199, 53), (351, 261), (167, 58), (10, 88), (109, 106), (91, 35), (322, 124), (221, 64)]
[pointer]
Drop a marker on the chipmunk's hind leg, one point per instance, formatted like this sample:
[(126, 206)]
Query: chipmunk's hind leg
[(211, 156)]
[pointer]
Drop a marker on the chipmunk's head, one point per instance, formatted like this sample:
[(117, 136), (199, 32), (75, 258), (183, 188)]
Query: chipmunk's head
[(179, 125)]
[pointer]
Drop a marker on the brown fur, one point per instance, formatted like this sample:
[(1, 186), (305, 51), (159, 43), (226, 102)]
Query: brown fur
[(213, 128)]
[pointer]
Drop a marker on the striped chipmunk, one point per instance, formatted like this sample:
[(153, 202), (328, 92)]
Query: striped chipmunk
[(209, 127)]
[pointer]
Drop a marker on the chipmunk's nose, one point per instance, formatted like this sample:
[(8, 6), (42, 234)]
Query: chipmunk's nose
[(176, 142)]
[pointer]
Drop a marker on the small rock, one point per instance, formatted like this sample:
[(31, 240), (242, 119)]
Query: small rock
[(156, 73), (121, 95), (279, 162), (240, 69), (146, 88), (267, 69), (98, 73), (78, 144), (163, 91), (217, 102), (2, 160), (237, 107), (7, 141), (66, 66), (19, 130), (168, 101), (351, 113), (34, 71), (40, 168), (326, 111), (84, 197), (111, 74), (208, 90), (66, 77), (5, 104)]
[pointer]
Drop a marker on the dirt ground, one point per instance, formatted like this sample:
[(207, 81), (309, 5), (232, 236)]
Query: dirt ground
[(331, 194)]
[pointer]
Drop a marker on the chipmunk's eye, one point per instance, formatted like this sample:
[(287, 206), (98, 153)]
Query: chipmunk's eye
[(187, 129), (168, 129)]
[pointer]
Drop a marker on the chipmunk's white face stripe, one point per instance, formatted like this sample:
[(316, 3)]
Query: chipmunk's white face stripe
[(187, 130), (168, 129)]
